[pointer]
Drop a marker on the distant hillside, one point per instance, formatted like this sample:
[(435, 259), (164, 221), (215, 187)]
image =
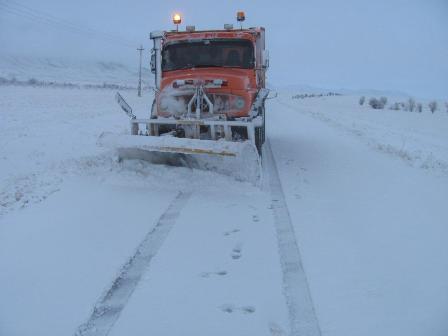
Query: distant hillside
[(59, 70)]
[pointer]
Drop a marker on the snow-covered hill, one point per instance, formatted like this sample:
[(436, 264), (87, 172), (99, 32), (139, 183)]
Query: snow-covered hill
[(62, 70)]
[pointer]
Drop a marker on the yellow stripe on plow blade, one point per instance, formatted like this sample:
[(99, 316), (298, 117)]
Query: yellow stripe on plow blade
[(239, 159), (192, 151)]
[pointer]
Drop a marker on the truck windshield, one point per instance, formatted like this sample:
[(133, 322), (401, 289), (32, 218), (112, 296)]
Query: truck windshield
[(208, 53)]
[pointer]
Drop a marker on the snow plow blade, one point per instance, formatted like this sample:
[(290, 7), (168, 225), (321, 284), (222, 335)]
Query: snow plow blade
[(237, 159)]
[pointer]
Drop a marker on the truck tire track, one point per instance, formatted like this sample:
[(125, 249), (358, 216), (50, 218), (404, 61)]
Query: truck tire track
[(302, 315), (109, 307)]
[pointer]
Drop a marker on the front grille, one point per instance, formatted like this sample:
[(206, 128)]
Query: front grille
[(177, 105)]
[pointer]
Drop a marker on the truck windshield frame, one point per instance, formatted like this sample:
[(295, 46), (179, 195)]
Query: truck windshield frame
[(221, 53)]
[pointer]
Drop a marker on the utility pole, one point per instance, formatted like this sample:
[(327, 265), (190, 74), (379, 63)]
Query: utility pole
[(140, 72)]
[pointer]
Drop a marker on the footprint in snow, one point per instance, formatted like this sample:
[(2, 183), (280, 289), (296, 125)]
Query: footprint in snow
[(209, 274), (248, 309), (229, 308), (236, 252), (255, 218), (228, 233)]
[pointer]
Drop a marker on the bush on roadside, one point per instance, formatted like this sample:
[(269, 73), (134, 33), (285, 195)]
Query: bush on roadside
[(432, 106), (33, 82), (419, 107), (411, 105), (378, 104), (315, 95), (395, 106)]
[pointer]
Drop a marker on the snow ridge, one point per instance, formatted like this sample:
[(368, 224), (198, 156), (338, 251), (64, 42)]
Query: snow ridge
[(302, 315), (108, 308)]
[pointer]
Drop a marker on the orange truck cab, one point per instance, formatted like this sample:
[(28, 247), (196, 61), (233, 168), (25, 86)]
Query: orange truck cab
[(234, 57)]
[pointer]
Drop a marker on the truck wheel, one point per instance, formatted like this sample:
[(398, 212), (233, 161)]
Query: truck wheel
[(153, 112), (264, 124), (260, 133), (259, 139)]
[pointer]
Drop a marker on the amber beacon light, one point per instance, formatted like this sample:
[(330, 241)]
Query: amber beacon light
[(177, 19)]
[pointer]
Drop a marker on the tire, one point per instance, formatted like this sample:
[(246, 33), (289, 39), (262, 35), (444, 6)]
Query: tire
[(259, 139), (260, 133), (153, 107), (264, 124)]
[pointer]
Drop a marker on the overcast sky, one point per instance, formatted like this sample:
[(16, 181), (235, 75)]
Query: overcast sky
[(355, 44)]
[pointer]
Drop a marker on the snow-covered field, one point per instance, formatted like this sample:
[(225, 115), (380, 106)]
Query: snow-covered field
[(420, 139), (64, 70), (365, 191)]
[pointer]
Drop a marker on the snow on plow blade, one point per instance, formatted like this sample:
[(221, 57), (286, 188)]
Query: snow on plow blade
[(237, 159)]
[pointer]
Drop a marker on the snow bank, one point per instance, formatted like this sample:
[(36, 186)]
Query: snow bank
[(419, 139)]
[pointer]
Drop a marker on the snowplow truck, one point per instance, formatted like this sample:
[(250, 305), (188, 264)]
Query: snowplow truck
[(209, 99)]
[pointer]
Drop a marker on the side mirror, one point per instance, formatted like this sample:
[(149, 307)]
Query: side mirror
[(265, 59), (153, 62)]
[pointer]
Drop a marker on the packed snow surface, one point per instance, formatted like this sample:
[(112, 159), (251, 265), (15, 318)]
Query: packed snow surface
[(365, 191)]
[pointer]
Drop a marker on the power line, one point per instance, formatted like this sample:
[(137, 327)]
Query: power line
[(26, 12), (69, 22), (72, 29), (30, 13)]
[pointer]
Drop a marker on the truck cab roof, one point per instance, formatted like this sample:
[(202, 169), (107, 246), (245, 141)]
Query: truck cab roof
[(248, 34)]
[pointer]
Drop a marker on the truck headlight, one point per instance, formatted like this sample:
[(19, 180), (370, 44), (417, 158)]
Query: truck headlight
[(173, 105), (164, 103), (239, 103)]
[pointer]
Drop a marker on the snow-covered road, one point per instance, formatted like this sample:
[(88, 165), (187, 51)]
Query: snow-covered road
[(372, 227), (363, 228)]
